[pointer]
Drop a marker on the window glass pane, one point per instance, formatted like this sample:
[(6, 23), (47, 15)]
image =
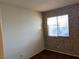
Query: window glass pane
[(52, 31), (63, 29), (52, 26), (52, 21), (63, 20)]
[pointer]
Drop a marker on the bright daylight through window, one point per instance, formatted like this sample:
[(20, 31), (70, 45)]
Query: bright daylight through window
[(58, 26)]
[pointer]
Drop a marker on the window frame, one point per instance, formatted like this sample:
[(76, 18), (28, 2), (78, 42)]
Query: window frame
[(57, 27)]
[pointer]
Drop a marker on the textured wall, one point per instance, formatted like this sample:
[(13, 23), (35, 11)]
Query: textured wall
[(70, 44)]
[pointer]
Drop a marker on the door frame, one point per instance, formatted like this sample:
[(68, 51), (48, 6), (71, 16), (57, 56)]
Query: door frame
[(1, 29)]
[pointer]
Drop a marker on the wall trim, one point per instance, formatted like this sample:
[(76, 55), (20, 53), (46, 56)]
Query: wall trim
[(63, 53)]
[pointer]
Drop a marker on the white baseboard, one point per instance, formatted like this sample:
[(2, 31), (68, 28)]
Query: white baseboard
[(63, 53)]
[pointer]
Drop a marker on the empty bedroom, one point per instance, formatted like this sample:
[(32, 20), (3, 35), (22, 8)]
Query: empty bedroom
[(39, 29)]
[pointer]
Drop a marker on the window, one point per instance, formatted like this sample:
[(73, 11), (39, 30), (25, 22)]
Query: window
[(58, 26)]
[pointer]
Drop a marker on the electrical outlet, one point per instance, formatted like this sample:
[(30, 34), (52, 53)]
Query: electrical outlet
[(60, 46), (21, 56)]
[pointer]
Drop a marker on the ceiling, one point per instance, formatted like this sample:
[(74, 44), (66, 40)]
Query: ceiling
[(40, 5)]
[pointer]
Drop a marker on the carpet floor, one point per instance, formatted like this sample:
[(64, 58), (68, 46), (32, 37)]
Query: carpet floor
[(52, 55)]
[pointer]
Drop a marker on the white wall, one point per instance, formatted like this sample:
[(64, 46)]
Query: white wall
[(22, 32)]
